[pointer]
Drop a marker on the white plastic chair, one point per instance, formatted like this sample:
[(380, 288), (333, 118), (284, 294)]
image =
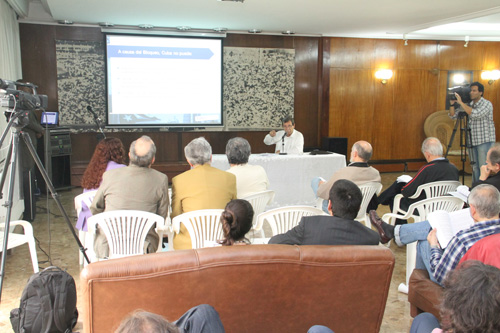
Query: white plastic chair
[(285, 218), (126, 230), (431, 190), (202, 225), (367, 190), (16, 240), (259, 201), (423, 207), (86, 198)]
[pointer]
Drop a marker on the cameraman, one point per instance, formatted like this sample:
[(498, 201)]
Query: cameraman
[(481, 124)]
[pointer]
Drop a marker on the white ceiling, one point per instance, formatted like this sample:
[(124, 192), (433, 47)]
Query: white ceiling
[(415, 19)]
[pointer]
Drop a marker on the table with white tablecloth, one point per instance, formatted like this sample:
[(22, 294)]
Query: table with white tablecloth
[(290, 175)]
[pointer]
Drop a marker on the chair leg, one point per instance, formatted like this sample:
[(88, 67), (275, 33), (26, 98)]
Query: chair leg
[(34, 258)]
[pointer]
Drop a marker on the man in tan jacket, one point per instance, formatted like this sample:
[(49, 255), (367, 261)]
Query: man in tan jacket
[(358, 171), (202, 187)]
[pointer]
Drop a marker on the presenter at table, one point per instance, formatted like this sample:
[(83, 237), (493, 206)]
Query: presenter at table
[(288, 141)]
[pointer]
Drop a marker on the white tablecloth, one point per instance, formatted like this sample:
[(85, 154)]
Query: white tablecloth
[(290, 175)]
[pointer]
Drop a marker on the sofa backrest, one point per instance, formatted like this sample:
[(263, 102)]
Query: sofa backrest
[(255, 288)]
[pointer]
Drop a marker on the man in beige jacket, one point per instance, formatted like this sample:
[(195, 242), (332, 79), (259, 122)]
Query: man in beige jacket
[(358, 171)]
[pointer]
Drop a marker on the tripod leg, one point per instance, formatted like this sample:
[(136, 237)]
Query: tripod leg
[(4, 171), (50, 186), (452, 138), (8, 203)]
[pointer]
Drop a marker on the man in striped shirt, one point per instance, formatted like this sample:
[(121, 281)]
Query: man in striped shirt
[(482, 127), (484, 202)]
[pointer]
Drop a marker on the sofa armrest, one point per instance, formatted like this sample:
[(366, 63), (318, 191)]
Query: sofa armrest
[(423, 294)]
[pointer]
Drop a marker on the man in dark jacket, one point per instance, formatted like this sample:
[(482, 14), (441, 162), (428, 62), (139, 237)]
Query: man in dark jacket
[(338, 229)]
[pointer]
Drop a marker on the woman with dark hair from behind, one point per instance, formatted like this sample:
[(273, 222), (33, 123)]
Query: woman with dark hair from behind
[(109, 154), (236, 222), (471, 302)]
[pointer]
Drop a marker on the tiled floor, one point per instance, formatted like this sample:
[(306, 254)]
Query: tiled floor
[(52, 229)]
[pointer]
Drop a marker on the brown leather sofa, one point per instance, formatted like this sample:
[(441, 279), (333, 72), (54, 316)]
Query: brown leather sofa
[(255, 288), (423, 294)]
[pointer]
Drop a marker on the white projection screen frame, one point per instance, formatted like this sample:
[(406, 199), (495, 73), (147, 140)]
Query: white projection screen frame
[(163, 81)]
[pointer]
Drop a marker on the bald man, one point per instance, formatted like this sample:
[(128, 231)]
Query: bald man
[(135, 187), (358, 171)]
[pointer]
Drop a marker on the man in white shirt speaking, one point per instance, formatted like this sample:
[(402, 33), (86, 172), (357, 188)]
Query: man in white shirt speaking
[(289, 141)]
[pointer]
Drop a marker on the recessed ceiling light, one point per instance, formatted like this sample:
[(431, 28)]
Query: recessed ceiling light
[(232, 0), (288, 32), (67, 22), (184, 28), (255, 31), (220, 29), (146, 26), (106, 24)]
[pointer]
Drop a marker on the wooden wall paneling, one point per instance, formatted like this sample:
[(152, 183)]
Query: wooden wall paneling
[(264, 41), (382, 123), (418, 54), (306, 89), (384, 54), (351, 103), (38, 57), (414, 99), (442, 90), (454, 56), (351, 52), (491, 56), (324, 85)]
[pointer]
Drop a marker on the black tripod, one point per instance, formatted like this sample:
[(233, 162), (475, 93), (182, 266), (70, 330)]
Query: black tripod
[(19, 119), (465, 141)]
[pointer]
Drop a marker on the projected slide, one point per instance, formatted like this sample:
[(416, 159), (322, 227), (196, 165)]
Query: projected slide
[(164, 81)]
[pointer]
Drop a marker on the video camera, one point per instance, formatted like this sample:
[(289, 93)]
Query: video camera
[(17, 100), (463, 91)]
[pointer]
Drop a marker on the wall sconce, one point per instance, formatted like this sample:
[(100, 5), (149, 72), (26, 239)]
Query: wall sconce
[(383, 75), (491, 76)]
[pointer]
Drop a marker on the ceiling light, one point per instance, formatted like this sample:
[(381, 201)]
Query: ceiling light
[(67, 22), (255, 31), (288, 32), (220, 29), (106, 24), (146, 26), (232, 0), (184, 28)]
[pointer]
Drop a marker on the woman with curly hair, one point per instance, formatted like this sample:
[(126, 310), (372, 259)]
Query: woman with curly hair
[(109, 154), (236, 221)]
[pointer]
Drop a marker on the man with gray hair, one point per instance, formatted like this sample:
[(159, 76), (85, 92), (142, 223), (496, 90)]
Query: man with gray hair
[(437, 168), (358, 171), (202, 187), (484, 202), (135, 187), (250, 179)]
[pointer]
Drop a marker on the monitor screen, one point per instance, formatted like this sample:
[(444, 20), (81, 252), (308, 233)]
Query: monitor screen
[(163, 81), (50, 118)]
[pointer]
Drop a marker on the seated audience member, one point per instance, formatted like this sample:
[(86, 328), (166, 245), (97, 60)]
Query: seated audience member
[(236, 222), (437, 168), (471, 302), (489, 173), (358, 171), (486, 250), (337, 229), (484, 202), (250, 179), (288, 141), (135, 187), (202, 187), (109, 154), (200, 319)]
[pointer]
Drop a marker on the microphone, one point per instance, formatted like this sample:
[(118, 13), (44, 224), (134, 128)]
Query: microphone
[(283, 144), (6, 84), (89, 108)]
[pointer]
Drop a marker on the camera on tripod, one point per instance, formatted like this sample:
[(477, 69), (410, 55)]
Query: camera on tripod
[(17, 100), (463, 91)]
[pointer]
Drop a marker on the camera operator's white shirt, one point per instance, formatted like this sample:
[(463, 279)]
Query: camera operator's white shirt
[(294, 144)]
